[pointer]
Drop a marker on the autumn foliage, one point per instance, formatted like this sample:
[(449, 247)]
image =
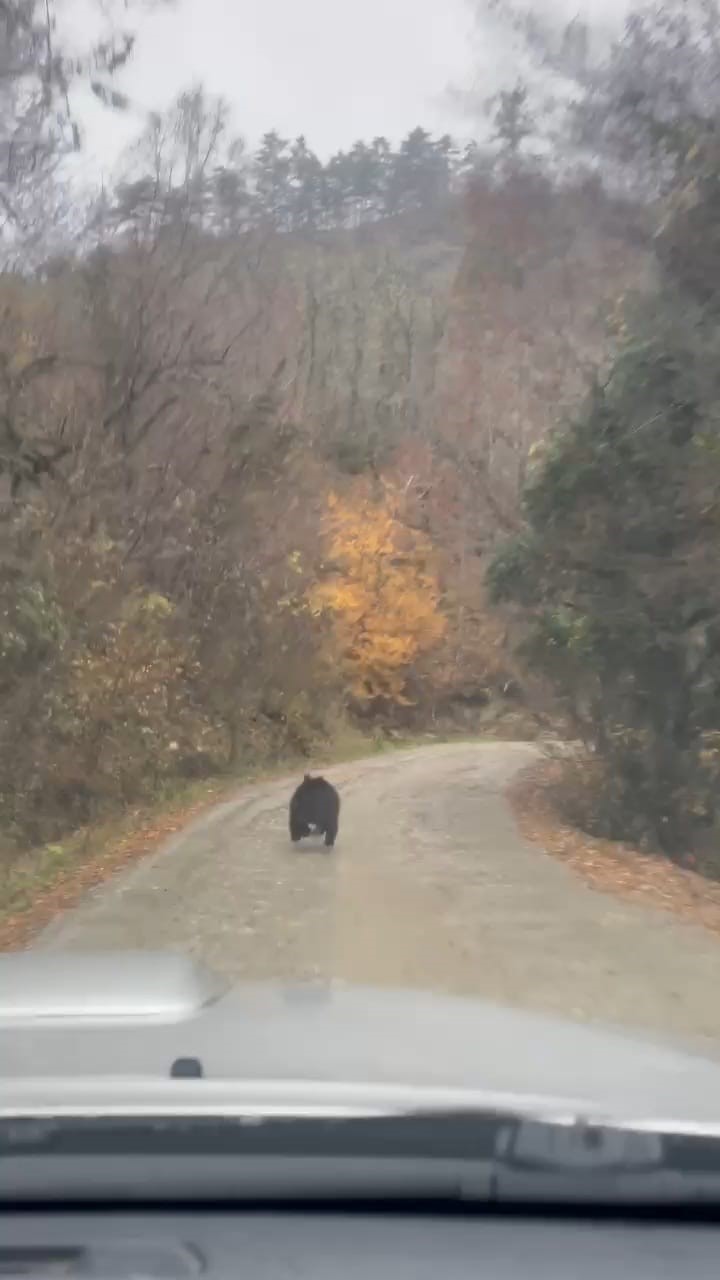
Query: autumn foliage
[(251, 467), (382, 593)]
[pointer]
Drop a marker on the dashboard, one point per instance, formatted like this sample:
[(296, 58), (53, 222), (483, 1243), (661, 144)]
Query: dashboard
[(292, 1245)]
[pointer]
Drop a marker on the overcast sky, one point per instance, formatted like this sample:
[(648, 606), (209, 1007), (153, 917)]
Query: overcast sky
[(334, 70)]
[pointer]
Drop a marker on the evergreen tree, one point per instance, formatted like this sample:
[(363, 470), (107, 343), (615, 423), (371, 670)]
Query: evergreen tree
[(336, 190), (420, 173), (383, 161), (230, 200), (306, 187), (512, 122), (272, 180), (366, 182), (288, 187)]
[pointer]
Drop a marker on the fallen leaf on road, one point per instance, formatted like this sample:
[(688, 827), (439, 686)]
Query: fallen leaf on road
[(606, 865), (17, 931)]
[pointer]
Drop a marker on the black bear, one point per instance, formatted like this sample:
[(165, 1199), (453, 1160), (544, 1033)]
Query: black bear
[(315, 804)]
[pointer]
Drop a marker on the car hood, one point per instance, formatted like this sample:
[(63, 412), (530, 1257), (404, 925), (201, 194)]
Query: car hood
[(119, 1019)]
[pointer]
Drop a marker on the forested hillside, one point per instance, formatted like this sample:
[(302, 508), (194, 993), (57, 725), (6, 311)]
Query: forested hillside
[(264, 419), (613, 572)]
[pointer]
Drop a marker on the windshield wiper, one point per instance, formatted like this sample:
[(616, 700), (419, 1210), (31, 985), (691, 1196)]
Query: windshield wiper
[(474, 1157)]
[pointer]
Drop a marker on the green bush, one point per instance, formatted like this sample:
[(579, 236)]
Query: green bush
[(617, 579)]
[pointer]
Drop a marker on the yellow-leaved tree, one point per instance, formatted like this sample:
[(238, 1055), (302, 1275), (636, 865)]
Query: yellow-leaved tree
[(381, 592)]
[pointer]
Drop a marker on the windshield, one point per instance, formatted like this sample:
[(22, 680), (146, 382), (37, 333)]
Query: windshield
[(359, 502)]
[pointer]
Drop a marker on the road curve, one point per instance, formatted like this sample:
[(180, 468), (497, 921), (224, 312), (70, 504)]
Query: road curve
[(430, 885)]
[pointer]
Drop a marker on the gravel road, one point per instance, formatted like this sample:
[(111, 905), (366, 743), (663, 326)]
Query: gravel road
[(430, 885)]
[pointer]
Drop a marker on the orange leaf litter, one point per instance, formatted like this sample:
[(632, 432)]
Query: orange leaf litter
[(606, 865), (18, 931)]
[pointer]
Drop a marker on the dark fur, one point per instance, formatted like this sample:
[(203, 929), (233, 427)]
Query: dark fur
[(315, 804)]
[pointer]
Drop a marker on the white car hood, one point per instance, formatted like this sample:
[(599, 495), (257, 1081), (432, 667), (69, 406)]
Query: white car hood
[(117, 1022)]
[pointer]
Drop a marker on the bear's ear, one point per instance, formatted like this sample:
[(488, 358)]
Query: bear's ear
[(307, 778)]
